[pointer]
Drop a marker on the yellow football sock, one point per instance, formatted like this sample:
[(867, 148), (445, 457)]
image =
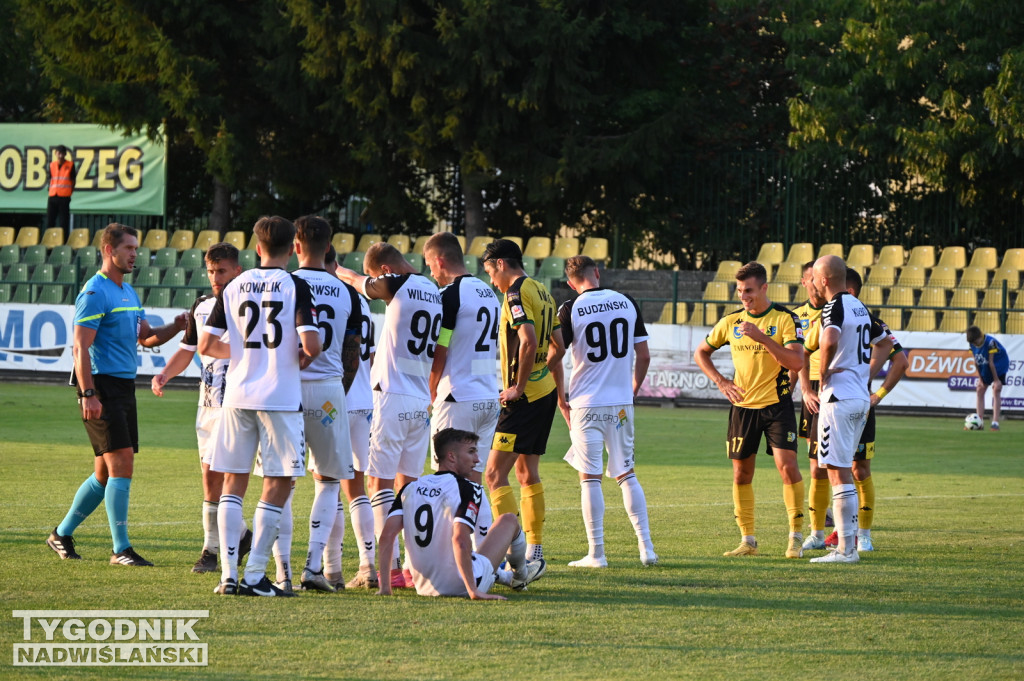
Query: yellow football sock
[(503, 501), (533, 512), (866, 494), (793, 495), (743, 508), (821, 493)]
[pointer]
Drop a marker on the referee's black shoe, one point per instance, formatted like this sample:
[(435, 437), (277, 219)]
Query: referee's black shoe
[(129, 557)]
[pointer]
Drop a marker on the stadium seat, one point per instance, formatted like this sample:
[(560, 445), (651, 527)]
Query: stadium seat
[(538, 247), (88, 272), (922, 256), (22, 294), (718, 291), (696, 317), (252, 243), (942, 276), (529, 265), (901, 296), (1009, 274), (893, 317), (34, 255), (236, 238), (78, 238), (367, 240), (861, 255), (143, 256), (973, 277), (421, 241), (42, 274), (779, 293), (165, 257), (50, 294), (1013, 258), (6, 236), (472, 263), (246, 258), (882, 275), (378, 306), (478, 245), (158, 297), (985, 258), (596, 248), (566, 247), (293, 263), (401, 242), (68, 274), (1018, 303), (552, 268), (680, 310), (87, 255), (5, 293), (416, 260), (993, 299), (965, 298), (932, 296), (10, 254), (858, 269), (17, 272), (462, 242), (60, 255), (893, 256), (771, 253), (954, 257), (789, 273), (911, 275), (53, 237), (146, 276), (921, 320), (204, 240), (1015, 323), (173, 276), (191, 258), (830, 249), (182, 239), (155, 239), (989, 321), (183, 298), (800, 253), (871, 295), (354, 261), (727, 270), (517, 240), (197, 278), (97, 238), (343, 243), (953, 321), (27, 236)]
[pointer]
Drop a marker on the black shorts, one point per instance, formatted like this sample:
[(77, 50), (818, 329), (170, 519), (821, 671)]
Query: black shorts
[(524, 427), (866, 448), (118, 425), (986, 377), (806, 417), (776, 422)]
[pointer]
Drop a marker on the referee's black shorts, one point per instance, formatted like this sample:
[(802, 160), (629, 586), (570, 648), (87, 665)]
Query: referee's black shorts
[(118, 424)]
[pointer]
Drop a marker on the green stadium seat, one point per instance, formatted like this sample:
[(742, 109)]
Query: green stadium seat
[(293, 263), (165, 257), (10, 254), (5, 293), (354, 261), (68, 274), (87, 255), (552, 268), (173, 276), (17, 272), (158, 297), (183, 298), (247, 259), (50, 294), (378, 306), (22, 294), (34, 255), (417, 261), (143, 256), (954, 257), (529, 265), (146, 277), (198, 278), (472, 263), (87, 273), (191, 258), (42, 274), (60, 255)]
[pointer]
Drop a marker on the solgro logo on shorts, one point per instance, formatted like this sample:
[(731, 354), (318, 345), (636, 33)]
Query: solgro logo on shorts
[(330, 413), (622, 419)]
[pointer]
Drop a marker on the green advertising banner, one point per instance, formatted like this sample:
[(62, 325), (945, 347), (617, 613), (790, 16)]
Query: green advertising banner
[(114, 173)]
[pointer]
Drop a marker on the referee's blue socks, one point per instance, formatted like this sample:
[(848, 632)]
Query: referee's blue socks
[(117, 511), (87, 498)]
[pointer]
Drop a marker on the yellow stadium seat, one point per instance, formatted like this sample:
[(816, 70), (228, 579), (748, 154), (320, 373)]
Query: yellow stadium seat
[(973, 277), (771, 253), (203, 240), (858, 269), (912, 275), (236, 238), (1014, 258), (800, 253), (97, 238), (517, 240), (462, 243), (921, 320), (344, 243), (252, 243), (993, 299), (902, 296), (155, 239), (719, 291), (831, 249), (727, 270), (696, 318), (922, 256), (401, 242), (954, 257), (182, 240), (984, 258), (953, 321), (566, 247), (666, 314), (871, 295), (52, 237), (27, 236), (789, 273), (964, 297), (988, 321), (1015, 323), (478, 245), (882, 275), (1009, 274), (932, 296), (861, 255), (79, 237), (596, 248), (417, 246), (779, 293), (1018, 304), (367, 240), (893, 317), (7, 236), (942, 276), (893, 256), (538, 247)]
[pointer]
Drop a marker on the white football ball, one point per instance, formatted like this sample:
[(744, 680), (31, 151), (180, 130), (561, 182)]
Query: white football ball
[(973, 422)]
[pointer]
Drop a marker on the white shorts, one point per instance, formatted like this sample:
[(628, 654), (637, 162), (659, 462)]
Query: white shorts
[(476, 416), (593, 429), (326, 421), (399, 434), (839, 427), (359, 433), (277, 435), (206, 423), (483, 572)]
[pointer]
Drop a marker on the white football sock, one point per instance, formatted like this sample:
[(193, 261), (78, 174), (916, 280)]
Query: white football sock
[(283, 543), (844, 513), (265, 523), (321, 520), (381, 503), (211, 540), (592, 502), (335, 543), (362, 525), (229, 524), (517, 553), (635, 501)]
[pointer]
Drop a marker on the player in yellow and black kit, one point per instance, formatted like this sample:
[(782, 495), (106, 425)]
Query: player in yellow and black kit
[(767, 343), (531, 369)]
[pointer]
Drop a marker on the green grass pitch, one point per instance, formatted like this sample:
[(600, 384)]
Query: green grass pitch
[(942, 597)]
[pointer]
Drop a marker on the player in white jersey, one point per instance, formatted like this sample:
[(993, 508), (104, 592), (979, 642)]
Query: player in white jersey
[(464, 376), (845, 345), (324, 383), (603, 330), (265, 312), (437, 514), (400, 428), (221, 267)]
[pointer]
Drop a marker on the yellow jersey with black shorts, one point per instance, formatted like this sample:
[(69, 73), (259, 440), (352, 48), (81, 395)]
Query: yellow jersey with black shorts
[(767, 404), (809, 318), (524, 425)]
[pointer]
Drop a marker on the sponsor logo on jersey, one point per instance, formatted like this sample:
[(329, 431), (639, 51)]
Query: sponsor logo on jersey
[(413, 416), (517, 311)]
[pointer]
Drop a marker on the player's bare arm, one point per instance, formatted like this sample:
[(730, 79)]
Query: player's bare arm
[(150, 337), (897, 369), (810, 396), (527, 351), (84, 338), (386, 548), (351, 277), (179, 362), (437, 369), (640, 367), (463, 547), (702, 356), (350, 348), (828, 344), (212, 346)]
